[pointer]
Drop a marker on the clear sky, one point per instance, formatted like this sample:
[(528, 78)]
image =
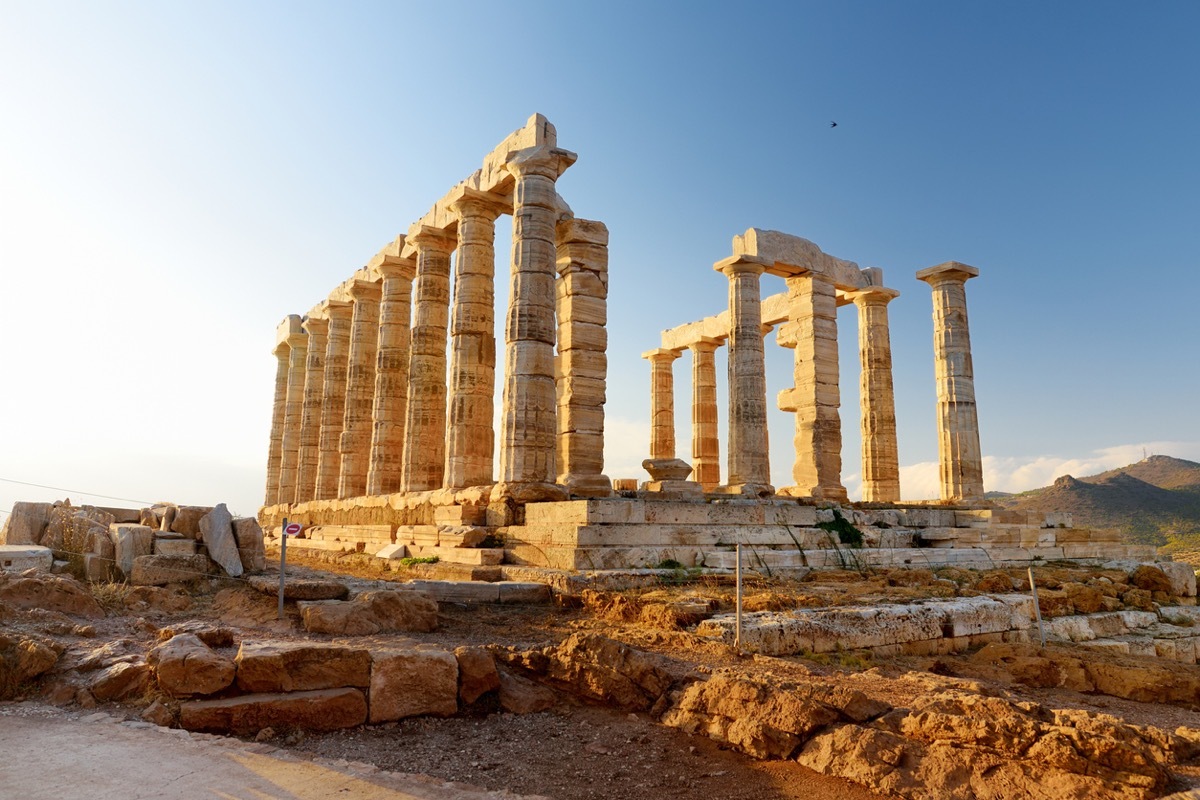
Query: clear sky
[(177, 177)]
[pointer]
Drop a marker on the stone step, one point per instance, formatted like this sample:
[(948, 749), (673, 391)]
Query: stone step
[(478, 556), (661, 535), (617, 511), (371, 534), (505, 592)]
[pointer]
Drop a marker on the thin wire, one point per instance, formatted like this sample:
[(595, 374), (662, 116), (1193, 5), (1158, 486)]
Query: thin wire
[(77, 491)]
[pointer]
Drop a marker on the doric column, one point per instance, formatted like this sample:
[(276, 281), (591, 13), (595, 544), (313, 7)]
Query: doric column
[(333, 400), (310, 422), (355, 442), (958, 422), (581, 365), (278, 412), (391, 376), (425, 429), (527, 443), (706, 443), (880, 456), (811, 330), (294, 411), (749, 465), (471, 437), (662, 402)]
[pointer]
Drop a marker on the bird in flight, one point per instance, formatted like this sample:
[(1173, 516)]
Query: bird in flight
[(833, 124)]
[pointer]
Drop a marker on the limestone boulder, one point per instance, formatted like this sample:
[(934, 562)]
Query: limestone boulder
[(1182, 576), (186, 519), (477, 673), (130, 542), (758, 719), (216, 528), (597, 668), (26, 523), (120, 681), (1151, 578), (1084, 599), (185, 666), (370, 613), (520, 695), (52, 593), (20, 557), (298, 666), (314, 710), (249, 536), (150, 570), (22, 660), (410, 682), (211, 635)]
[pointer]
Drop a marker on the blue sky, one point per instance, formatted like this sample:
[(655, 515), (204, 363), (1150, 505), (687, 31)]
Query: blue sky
[(175, 178)]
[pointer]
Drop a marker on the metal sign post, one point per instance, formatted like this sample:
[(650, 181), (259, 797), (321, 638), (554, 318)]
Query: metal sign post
[(737, 634), (1037, 611), (283, 537)]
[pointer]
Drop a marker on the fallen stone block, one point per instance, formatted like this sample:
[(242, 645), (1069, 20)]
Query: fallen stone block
[(26, 523), (301, 588), (294, 667), (251, 551), (174, 546), (216, 528), (369, 613), (392, 552), (161, 570), (20, 557), (131, 542), (459, 591), (186, 666), (319, 710), (98, 569), (523, 593), (186, 519), (413, 682)]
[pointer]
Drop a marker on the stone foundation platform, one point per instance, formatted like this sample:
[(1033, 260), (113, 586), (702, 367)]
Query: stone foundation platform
[(777, 535)]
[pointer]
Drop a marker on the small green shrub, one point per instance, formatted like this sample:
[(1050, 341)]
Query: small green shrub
[(847, 534), (408, 562)]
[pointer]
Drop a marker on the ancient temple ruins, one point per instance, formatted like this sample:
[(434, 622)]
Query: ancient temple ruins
[(382, 437)]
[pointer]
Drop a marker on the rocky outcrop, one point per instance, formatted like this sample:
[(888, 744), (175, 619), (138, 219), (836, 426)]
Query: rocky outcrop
[(50, 592), (370, 613), (477, 673), (120, 681), (22, 660)]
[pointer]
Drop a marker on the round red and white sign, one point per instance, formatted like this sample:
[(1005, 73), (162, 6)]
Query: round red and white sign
[(293, 529)]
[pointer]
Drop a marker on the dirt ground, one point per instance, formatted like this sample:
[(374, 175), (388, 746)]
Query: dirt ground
[(581, 752)]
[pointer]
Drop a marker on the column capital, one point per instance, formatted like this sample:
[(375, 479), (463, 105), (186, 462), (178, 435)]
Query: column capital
[(468, 202), (873, 296), (705, 344), (339, 309), (317, 325), (397, 267), (282, 350), (951, 271), (736, 265), (298, 341), (428, 239), (365, 290), (549, 162), (661, 355)]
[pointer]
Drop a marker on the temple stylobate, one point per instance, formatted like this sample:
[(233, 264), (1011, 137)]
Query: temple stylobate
[(369, 404)]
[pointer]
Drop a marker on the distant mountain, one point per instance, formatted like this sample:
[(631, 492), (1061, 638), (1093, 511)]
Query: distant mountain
[(1154, 501)]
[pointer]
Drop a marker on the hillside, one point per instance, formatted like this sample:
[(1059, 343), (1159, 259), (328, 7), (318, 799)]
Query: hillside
[(1155, 501)]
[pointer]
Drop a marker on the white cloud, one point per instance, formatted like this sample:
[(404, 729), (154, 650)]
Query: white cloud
[(626, 445)]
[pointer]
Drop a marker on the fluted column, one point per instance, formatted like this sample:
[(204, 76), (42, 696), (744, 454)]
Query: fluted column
[(355, 442), (390, 409), (527, 443), (961, 462), (880, 455), (425, 429), (749, 463), (662, 402), (815, 397), (294, 411), (471, 437), (278, 413), (310, 421), (706, 443), (333, 400), (581, 373)]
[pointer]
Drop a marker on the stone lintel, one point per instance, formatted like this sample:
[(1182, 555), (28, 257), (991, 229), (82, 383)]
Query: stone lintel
[(288, 327), (792, 255), (950, 270), (735, 264)]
